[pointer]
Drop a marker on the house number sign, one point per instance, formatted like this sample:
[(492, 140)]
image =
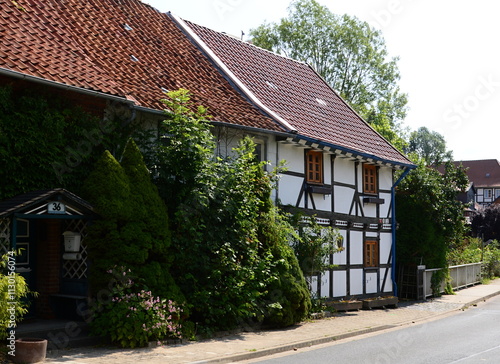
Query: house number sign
[(56, 207)]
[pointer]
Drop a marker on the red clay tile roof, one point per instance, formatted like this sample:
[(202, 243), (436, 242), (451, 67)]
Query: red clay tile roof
[(483, 173), (295, 92), (117, 47)]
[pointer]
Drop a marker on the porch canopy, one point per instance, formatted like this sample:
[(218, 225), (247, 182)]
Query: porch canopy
[(55, 203), (39, 225)]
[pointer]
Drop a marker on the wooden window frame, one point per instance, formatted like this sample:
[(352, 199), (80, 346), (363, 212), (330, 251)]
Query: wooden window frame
[(314, 167), (371, 253), (370, 179)]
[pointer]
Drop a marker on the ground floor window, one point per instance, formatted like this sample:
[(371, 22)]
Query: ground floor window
[(371, 256)]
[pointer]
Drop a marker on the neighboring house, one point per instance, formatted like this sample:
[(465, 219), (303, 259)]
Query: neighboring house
[(468, 198), (485, 176), (113, 56)]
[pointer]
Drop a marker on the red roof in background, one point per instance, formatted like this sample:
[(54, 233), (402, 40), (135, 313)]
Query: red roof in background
[(483, 173), (295, 92), (118, 47)]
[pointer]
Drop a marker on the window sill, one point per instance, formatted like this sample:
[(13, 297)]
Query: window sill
[(374, 200), (319, 189)]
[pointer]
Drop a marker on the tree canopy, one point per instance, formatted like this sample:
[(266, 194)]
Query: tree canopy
[(348, 53), (429, 145)]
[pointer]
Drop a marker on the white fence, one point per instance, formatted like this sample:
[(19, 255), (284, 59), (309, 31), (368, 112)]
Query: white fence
[(461, 276)]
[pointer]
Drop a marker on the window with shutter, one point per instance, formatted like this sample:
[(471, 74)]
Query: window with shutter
[(314, 167)]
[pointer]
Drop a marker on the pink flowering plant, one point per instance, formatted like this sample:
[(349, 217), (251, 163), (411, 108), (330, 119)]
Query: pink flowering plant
[(132, 318)]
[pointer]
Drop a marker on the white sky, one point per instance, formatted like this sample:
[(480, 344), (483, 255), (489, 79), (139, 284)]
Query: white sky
[(448, 49)]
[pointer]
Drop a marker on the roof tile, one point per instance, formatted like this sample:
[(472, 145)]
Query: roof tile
[(84, 44), (294, 94)]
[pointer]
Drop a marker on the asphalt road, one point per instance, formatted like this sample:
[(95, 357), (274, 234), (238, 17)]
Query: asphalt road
[(471, 336)]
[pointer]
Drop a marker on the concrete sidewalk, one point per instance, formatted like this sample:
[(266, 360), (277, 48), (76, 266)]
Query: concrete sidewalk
[(251, 345)]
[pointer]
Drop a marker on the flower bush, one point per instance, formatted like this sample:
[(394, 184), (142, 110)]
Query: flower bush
[(132, 318)]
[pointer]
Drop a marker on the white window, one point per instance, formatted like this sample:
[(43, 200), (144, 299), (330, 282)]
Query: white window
[(497, 193), (487, 193)]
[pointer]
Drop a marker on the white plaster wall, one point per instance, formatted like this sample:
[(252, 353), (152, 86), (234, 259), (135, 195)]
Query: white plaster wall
[(322, 202), (385, 178), (327, 169), (344, 170), (289, 189), (385, 208), (314, 285), (340, 258), (371, 282), (356, 245), (343, 199), (356, 286), (339, 283), (385, 247), (388, 282), (293, 156), (370, 209), (325, 285)]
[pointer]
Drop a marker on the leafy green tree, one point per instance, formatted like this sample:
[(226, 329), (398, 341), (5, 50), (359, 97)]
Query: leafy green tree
[(429, 216), (349, 54), (186, 167), (429, 145), (225, 262), (486, 223), (149, 213)]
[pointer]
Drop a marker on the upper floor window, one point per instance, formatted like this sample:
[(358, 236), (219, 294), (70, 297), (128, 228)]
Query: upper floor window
[(369, 178), (314, 166), (487, 193)]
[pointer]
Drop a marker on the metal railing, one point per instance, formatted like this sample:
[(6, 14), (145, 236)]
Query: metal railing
[(461, 276)]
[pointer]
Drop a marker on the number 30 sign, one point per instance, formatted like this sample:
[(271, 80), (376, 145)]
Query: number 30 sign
[(56, 207)]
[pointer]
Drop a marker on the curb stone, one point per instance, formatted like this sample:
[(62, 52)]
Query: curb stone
[(294, 346)]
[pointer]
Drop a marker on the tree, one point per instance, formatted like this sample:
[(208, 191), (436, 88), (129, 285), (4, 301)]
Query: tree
[(486, 223), (349, 54), (231, 254), (429, 216), (429, 145), (132, 231)]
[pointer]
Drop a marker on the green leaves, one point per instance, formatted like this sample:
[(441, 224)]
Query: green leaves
[(227, 249), (430, 217)]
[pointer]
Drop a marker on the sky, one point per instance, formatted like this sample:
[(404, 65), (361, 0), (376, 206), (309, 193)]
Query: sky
[(448, 50)]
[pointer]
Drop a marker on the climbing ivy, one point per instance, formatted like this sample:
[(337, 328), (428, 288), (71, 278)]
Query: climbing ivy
[(47, 141)]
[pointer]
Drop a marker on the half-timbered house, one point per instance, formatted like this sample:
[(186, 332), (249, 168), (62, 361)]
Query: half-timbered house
[(339, 168)]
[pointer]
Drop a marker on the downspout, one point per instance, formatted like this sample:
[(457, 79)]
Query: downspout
[(393, 213)]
